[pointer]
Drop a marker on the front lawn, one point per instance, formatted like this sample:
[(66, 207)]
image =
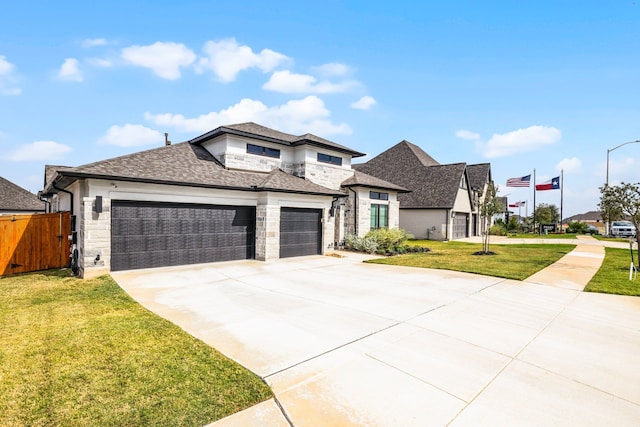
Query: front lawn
[(83, 353), (613, 276), (517, 261)]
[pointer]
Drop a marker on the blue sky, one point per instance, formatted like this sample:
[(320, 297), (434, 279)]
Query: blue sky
[(544, 85)]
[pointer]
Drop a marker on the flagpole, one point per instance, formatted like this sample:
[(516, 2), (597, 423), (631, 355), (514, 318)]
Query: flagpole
[(561, 191), (534, 201)]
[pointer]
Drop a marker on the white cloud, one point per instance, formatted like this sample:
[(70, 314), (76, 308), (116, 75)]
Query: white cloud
[(521, 140), (226, 58), (39, 150), (131, 136), (296, 116), (288, 82), (332, 69), (8, 79), (467, 134), (364, 103), (87, 43), (100, 62), (164, 59), (571, 165), (70, 71)]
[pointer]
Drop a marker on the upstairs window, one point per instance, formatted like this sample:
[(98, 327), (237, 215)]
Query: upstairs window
[(378, 196), (326, 158), (263, 151)]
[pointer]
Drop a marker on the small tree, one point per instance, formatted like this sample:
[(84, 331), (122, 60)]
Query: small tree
[(619, 200), (546, 214), (489, 207)]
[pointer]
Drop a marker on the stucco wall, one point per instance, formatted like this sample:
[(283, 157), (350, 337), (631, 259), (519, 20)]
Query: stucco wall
[(425, 223)]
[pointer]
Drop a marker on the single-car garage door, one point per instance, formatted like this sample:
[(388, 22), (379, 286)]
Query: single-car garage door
[(149, 234), (460, 226), (300, 232)]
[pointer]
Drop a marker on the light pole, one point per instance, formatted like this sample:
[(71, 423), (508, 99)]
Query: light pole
[(607, 181)]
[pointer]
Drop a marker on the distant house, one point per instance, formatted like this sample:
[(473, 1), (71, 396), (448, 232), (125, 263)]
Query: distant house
[(16, 200), (592, 218), (241, 191), (444, 200)]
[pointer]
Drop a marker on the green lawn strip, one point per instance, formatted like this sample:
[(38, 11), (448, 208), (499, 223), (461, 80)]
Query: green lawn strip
[(517, 261), (82, 352), (542, 236), (613, 276)]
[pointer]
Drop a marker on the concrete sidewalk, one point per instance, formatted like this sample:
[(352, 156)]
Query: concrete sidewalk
[(343, 343)]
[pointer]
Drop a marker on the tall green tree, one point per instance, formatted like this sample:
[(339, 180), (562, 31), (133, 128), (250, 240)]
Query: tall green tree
[(546, 214)]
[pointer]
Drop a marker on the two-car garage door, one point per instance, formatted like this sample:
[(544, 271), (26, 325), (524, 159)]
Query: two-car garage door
[(149, 234)]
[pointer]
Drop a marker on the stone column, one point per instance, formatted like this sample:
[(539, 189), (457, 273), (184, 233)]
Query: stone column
[(94, 238), (267, 232)]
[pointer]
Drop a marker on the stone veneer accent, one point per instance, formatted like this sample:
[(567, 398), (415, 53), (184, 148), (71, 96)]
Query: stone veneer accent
[(267, 232), (325, 175), (94, 238)]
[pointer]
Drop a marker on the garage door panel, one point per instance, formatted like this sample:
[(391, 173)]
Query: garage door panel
[(300, 232), (147, 235)]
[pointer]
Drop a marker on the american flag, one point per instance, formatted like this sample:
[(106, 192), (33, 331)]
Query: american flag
[(517, 204), (522, 181)]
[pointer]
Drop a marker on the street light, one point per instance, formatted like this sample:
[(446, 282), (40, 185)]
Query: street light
[(607, 182), (615, 148)]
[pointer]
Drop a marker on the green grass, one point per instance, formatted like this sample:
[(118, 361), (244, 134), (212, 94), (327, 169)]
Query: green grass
[(543, 236), (613, 276), (83, 353), (510, 261)]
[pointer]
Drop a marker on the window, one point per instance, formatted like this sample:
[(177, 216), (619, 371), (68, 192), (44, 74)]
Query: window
[(378, 196), (334, 160), (379, 216), (263, 151)]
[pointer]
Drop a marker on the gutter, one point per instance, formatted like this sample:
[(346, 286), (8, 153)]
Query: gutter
[(69, 193)]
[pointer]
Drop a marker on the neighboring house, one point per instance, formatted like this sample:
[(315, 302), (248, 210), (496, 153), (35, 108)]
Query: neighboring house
[(504, 215), (592, 218), (16, 200), (444, 200), (237, 192)]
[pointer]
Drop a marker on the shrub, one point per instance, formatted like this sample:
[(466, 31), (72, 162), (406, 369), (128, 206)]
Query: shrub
[(382, 241), (578, 227), (498, 230)]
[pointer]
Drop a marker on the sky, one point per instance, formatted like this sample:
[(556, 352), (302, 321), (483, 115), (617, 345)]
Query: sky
[(532, 87)]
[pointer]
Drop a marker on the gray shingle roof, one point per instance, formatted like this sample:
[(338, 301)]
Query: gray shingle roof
[(361, 179), (479, 175), (16, 198), (185, 164), (432, 185), (256, 131)]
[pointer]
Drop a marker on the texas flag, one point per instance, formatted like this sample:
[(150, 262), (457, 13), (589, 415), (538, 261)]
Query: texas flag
[(554, 184)]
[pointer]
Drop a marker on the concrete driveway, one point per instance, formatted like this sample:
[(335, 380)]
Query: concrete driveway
[(344, 343)]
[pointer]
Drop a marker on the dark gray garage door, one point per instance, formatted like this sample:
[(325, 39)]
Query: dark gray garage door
[(145, 235), (300, 232), (460, 226)]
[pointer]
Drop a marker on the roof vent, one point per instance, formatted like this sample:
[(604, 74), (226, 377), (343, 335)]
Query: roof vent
[(166, 139)]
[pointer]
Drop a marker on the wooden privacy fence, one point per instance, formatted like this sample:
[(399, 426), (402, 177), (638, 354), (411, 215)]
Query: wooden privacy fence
[(34, 242)]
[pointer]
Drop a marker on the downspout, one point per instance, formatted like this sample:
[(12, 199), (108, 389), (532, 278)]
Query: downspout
[(47, 208), (355, 211), (73, 257), (448, 214)]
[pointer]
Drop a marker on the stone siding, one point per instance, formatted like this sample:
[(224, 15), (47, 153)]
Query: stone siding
[(267, 232), (94, 238)]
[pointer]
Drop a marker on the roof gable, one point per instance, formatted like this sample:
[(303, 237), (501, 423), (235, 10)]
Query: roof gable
[(479, 175)]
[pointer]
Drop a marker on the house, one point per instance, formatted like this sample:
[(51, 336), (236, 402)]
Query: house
[(240, 191), (591, 217), (444, 200), (16, 200)]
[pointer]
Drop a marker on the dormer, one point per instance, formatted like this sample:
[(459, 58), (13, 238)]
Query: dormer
[(249, 146)]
